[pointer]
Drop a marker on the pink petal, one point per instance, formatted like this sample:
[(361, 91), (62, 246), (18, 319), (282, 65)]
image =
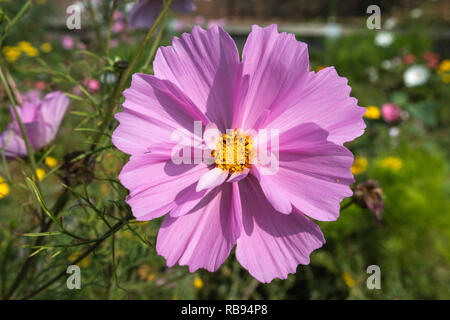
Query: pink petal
[(314, 174), (279, 200), (211, 179), (325, 100), (153, 110), (276, 67), (12, 144), (205, 237), (272, 244), (238, 176), (205, 66), (157, 185)]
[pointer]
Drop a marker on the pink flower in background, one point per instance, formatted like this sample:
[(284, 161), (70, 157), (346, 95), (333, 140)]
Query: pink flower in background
[(41, 119), (432, 59), (210, 208), (117, 15), (81, 46), (68, 42), (145, 12), (178, 25), (118, 26), (40, 85), (390, 112), (200, 20), (218, 22), (93, 85), (409, 58), (114, 43)]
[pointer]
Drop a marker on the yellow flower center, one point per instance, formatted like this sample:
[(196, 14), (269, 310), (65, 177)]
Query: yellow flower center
[(234, 152)]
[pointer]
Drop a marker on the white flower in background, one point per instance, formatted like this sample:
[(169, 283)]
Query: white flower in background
[(416, 75), (129, 6), (384, 39), (390, 23), (333, 30), (387, 64), (108, 77), (372, 73), (394, 132), (416, 13)]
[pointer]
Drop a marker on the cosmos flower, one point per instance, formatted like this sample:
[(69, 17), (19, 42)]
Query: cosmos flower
[(390, 112), (211, 207), (416, 75), (41, 119), (144, 13)]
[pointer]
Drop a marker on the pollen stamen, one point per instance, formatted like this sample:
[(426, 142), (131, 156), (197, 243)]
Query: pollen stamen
[(234, 152)]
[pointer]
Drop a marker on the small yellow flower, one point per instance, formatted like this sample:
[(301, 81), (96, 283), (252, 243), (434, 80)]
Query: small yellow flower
[(392, 163), (4, 188), (318, 68), (85, 262), (372, 112), (104, 189), (28, 49), (46, 47), (348, 279), (11, 53), (145, 273), (444, 66), (51, 162), (198, 283), (24, 45), (31, 52), (446, 78), (40, 173), (359, 165)]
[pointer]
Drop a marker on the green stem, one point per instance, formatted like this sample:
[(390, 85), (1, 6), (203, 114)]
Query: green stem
[(98, 32), (111, 21), (60, 204), (91, 249), (155, 44), (123, 79)]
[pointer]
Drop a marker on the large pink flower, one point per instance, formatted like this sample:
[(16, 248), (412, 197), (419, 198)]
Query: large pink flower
[(41, 119), (210, 208)]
